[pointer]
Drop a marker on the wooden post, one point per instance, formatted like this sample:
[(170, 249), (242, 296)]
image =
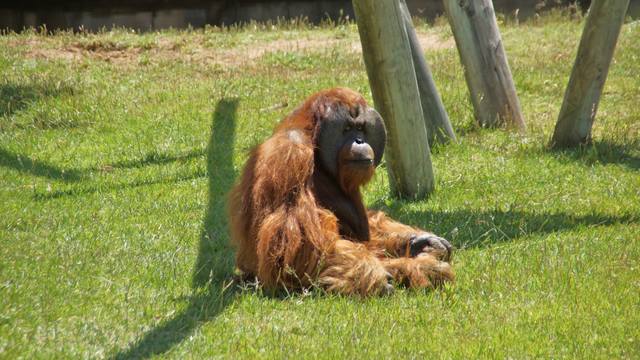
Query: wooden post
[(487, 72), (436, 119), (392, 77), (589, 73)]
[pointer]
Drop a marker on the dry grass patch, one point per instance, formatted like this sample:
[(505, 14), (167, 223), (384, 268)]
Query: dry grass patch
[(171, 49)]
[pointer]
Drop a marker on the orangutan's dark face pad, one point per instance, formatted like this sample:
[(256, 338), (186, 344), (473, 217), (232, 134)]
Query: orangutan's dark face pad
[(353, 135)]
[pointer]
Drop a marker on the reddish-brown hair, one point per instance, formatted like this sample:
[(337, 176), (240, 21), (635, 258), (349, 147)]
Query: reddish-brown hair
[(283, 236)]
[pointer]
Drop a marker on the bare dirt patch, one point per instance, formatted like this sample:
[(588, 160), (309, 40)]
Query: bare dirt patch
[(174, 50)]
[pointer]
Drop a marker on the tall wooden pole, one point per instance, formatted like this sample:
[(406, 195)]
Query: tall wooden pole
[(439, 127), (392, 77), (589, 73), (487, 72)]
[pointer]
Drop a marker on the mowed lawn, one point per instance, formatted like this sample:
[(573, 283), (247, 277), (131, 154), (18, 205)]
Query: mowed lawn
[(117, 150)]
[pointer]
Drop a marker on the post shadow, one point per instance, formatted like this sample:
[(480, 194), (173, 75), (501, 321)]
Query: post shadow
[(602, 152), (15, 97), (39, 168), (481, 228), (151, 158), (212, 289), (156, 158), (214, 254), (80, 191)]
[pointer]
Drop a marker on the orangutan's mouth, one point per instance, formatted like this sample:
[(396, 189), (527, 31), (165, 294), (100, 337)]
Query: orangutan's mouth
[(361, 162)]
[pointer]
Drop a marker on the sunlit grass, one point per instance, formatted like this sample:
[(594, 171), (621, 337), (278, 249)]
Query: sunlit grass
[(117, 149)]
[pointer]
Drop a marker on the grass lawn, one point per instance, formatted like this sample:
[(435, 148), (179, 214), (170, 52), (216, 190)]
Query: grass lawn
[(117, 149)]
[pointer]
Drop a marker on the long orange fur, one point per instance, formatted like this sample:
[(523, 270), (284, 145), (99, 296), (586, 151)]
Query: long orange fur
[(285, 238)]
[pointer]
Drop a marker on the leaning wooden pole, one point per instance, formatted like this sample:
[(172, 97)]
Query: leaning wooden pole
[(392, 78), (487, 72), (589, 73), (439, 127)]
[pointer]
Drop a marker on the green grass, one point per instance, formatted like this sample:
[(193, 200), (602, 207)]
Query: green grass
[(114, 165)]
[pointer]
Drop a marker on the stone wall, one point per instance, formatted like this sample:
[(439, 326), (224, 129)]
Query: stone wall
[(151, 15)]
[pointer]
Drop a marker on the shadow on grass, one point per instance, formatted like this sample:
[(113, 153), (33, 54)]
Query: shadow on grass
[(79, 191), (150, 159), (603, 152), (214, 238), (14, 98), (155, 158), (477, 228), (214, 265), (25, 164)]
